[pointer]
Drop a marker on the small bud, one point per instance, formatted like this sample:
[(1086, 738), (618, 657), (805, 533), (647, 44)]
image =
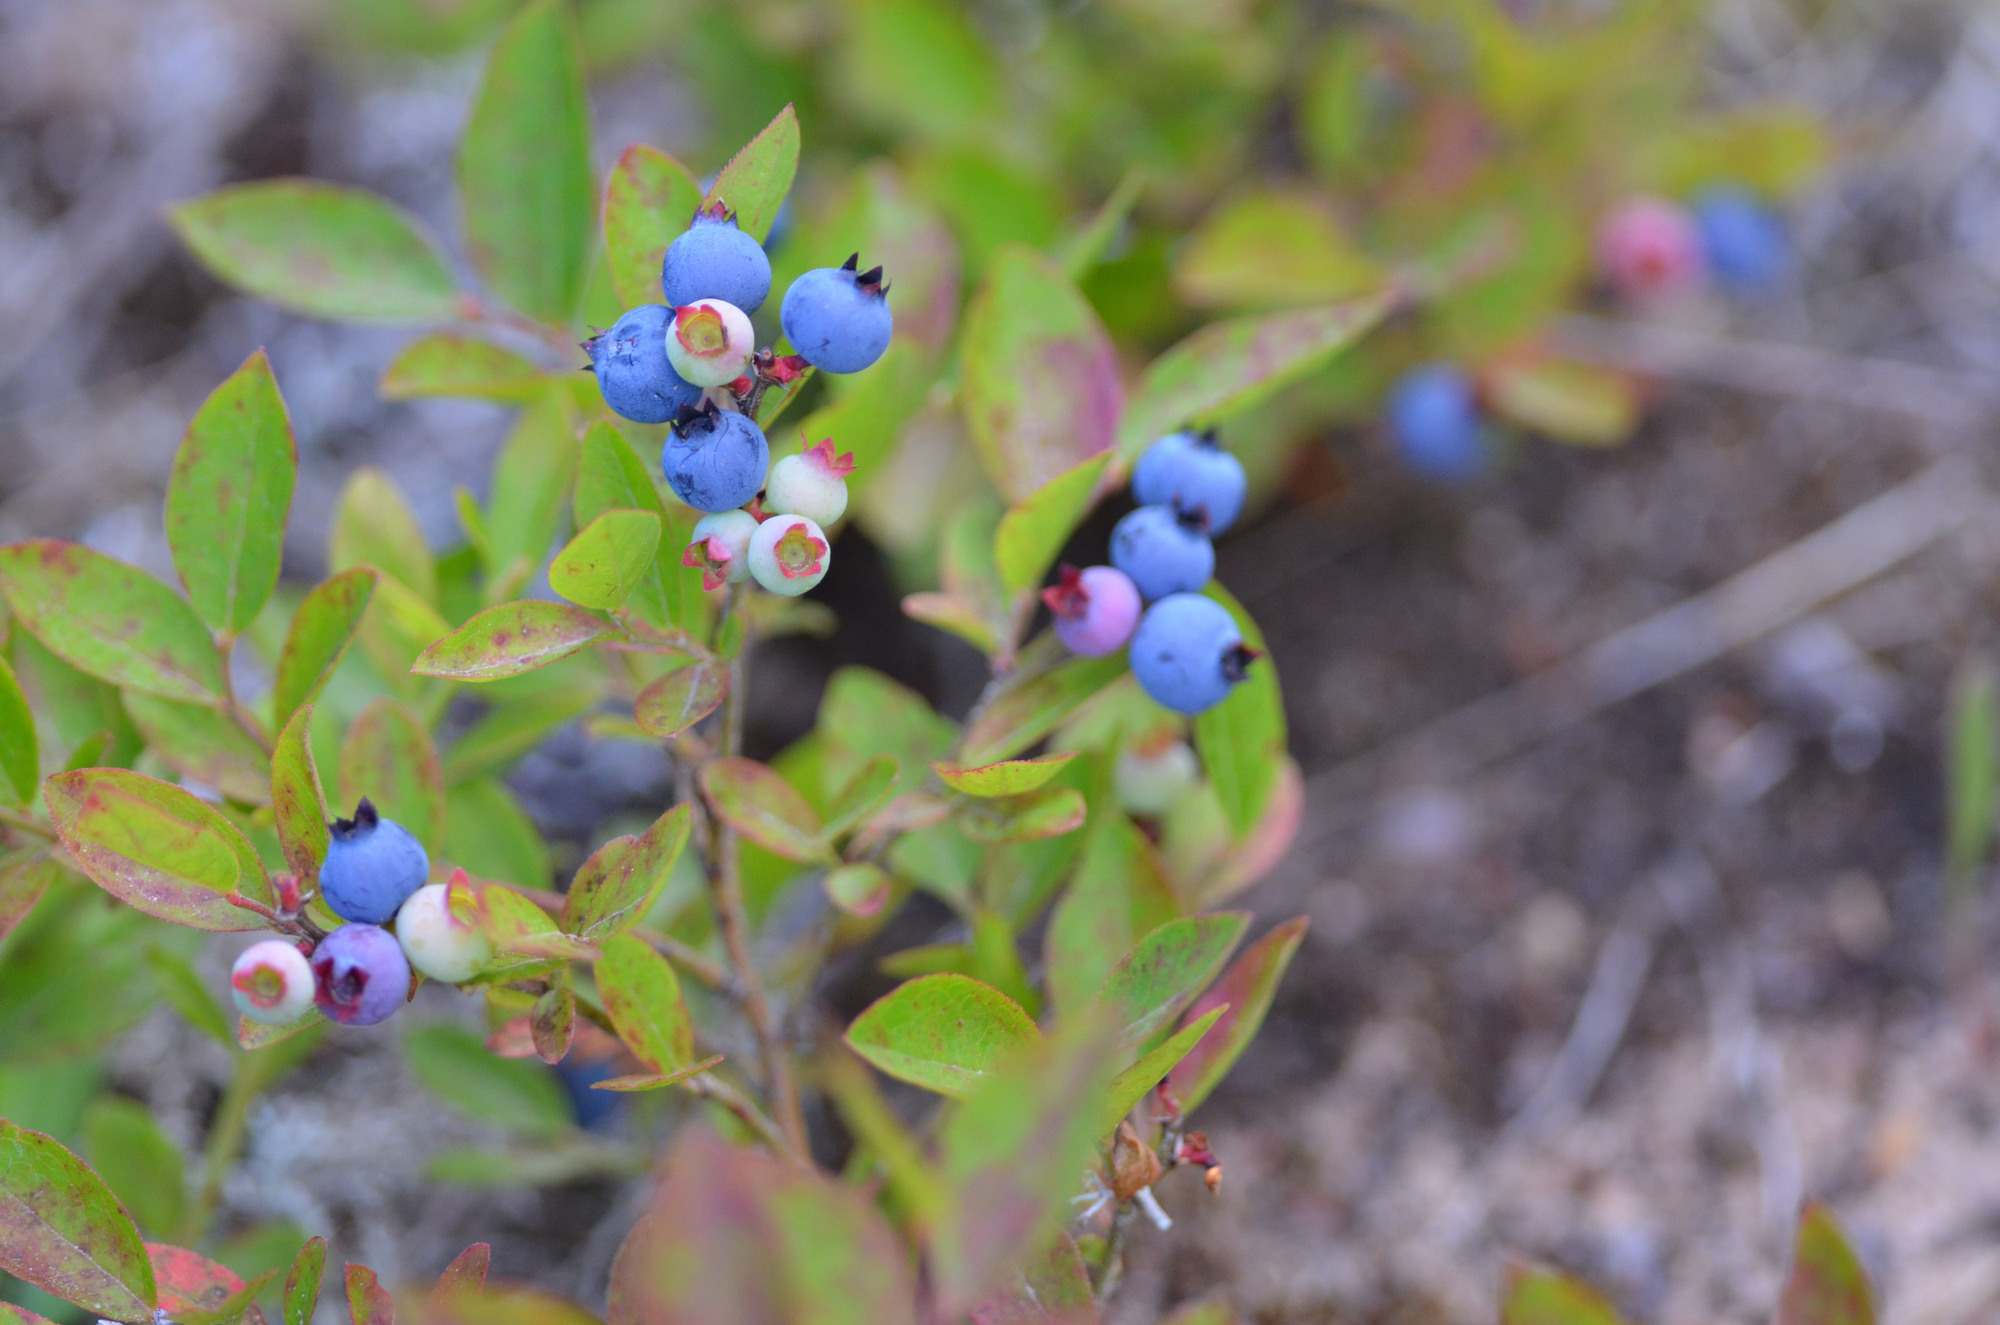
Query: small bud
[(1134, 1166)]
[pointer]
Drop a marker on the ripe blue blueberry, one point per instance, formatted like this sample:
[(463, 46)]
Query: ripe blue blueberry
[(1744, 242), (838, 321), (1434, 422), (716, 260), (1188, 652), (1190, 470), (372, 866), (360, 975), (630, 361), (715, 460), (1163, 551)]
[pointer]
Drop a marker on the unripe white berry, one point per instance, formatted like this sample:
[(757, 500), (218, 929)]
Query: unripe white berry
[(710, 343), (812, 483), (272, 982), (788, 554), (437, 943)]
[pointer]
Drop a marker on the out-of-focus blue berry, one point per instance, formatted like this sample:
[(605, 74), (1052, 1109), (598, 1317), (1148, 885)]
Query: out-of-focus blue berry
[(372, 866), (1743, 240), (716, 461), (716, 260), (1190, 470), (1434, 422), (838, 321), (1188, 653), (1162, 551), (360, 975), (593, 1108), (630, 361)]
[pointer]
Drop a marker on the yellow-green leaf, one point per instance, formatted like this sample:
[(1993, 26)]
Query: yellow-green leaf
[(942, 1032), (608, 559), (511, 638), (756, 180), (649, 199), (111, 620)]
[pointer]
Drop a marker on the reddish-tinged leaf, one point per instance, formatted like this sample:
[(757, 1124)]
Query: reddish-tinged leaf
[(761, 805), (514, 1039), (156, 848), (1827, 1285), (553, 1022), (196, 1290), (367, 1301), (1055, 1290), (302, 1282), (1537, 1295), (681, 698), (298, 805), (1050, 812), (466, 1273), (1009, 779), (642, 997), (1164, 972), (756, 180), (23, 880), (613, 890), (63, 1231), (388, 758), (649, 199), (317, 640), (644, 1081), (510, 639), (1246, 988), (13, 1315)]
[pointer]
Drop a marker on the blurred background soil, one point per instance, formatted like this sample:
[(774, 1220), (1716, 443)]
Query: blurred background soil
[(1617, 951)]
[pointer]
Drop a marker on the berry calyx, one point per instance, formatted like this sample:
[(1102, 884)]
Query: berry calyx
[(714, 259), (1095, 610), (720, 549), (788, 554), (710, 343), (437, 943), (360, 975), (272, 982), (812, 483)]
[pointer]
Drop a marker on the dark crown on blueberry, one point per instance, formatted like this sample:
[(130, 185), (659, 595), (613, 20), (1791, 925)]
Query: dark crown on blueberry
[(1194, 519), (869, 281), (689, 415), (365, 817), (1236, 661)]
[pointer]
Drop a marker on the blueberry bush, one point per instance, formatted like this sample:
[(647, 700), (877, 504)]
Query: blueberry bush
[(323, 769)]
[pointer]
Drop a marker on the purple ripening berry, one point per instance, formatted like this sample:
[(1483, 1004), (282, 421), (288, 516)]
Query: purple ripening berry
[(633, 372), (372, 866), (716, 260), (1095, 610), (1163, 550), (1191, 471), (360, 975), (837, 320), (1188, 653), (1648, 247)]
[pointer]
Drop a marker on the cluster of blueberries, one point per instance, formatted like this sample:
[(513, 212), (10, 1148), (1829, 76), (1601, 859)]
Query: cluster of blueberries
[(375, 878), (1647, 247), (1186, 650), (692, 362)]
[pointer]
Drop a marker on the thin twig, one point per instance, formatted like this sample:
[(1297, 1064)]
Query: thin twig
[(690, 959), (1111, 1269), (710, 1086), (27, 823)]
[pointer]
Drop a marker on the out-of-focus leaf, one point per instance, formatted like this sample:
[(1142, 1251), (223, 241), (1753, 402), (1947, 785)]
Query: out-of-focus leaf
[(1774, 150), (368, 1302), (865, 793), (1085, 247), (138, 1162), (864, 714), (519, 1096), (1138, 1080), (681, 698), (201, 742), (156, 848), (1053, 1289), (190, 996), (1537, 1295), (1229, 366), (396, 627), (20, 748), (617, 886), (649, 199), (198, 1291), (552, 1023), (524, 167), (302, 1282), (1827, 1285), (858, 890), (1246, 987), (1050, 812), (322, 627), (373, 525), (229, 497), (942, 1032), (488, 833), (531, 483), (1565, 402), (466, 1273), (1012, 778), (866, 418), (1034, 529), (1267, 249), (756, 180), (63, 1231), (1120, 891), (610, 476), (1028, 710), (511, 638), (1167, 969), (388, 758), (1040, 386), (511, 729), (298, 804), (1972, 769), (762, 806), (23, 880), (642, 996), (319, 249), (1242, 739), (640, 1083), (883, 220), (920, 68), (462, 367), (111, 620)]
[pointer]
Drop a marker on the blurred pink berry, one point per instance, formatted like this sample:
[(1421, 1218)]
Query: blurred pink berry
[(1647, 247), (1095, 610)]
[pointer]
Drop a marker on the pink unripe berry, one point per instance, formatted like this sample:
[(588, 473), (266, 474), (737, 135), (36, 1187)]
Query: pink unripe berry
[(437, 943), (272, 982), (710, 342), (720, 549), (788, 554), (1649, 246), (812, 483), (1095, 610)]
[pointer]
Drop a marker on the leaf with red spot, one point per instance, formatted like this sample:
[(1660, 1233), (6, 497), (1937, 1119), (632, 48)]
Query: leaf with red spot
[(367, 1301), (195, 1290), (63, 1231), (649, 199), (754, 800), (510, 639), (681, 698), (1246, 987), (23, 880), (613, 890), (302, 1282)]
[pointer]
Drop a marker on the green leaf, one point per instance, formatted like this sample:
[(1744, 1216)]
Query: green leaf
[(681, 698), (156, 848), (858, 890), (1226, 367), (1050, 812), (1972, 770), (1537, 1295), (921, 69), (76, 977), (1040, 385), (298, 805), (607, 560), (368, 1303), (111, 620), (230, 495), (756, 180), (649, 200), (302, 1282), (610, 476), (138, 1162), (511, 729), (1266, 249), (487, 832), (1564, 402), (864, 714), (552, 1022), (388, 758), (531, 483), (1827, 1285), (373, 525), (1029, 708), (63, 1231), (20, 751), (322, 627), (510, 639), (1138, 1080), (1153, 982), (524, 167), (942, 1032), (396, 627), (24, 878), (466, 1273), (464, 367), (640, 1083), (1246, 987), (519, 1096), (319, 249), (866, 792), (642, 996), (1120, 891), (762, 806), (1033, 531), (1242, 739), (184, 989), (203, 744), (1008, 779), (617, 886)]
